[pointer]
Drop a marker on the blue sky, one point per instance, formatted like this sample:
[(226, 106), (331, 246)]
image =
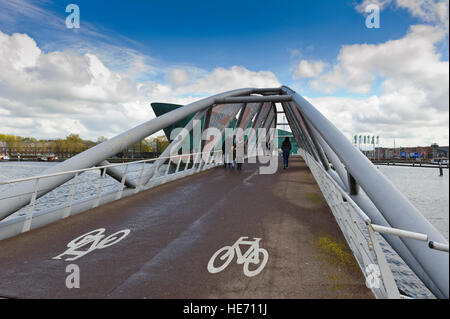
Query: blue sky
[(259, 35), (172, 49)]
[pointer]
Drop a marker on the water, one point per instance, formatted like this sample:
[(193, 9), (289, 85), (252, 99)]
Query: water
[(86, 186), (426, 190), (429, 193)]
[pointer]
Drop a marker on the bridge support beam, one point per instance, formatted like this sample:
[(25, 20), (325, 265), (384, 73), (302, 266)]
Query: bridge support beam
[(397, 210)]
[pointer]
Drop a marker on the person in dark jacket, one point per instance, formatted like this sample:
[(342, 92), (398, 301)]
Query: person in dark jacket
[(286, 148)]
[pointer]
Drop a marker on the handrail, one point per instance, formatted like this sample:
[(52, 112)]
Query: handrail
[(400, 232), (64, 199), (95, 168)]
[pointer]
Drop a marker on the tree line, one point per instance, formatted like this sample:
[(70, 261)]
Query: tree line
[(72, 145)]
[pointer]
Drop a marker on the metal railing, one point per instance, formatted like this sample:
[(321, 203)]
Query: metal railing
[(93, 186), (360, 232)]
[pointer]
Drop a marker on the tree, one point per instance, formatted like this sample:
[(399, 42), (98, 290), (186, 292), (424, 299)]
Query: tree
[(74, 144), (161, 143), (146, 145), (60, 146), (44, 146), (52, 147)]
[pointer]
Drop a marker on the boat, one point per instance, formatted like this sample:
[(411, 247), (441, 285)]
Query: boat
[(48, 158), (439, 161), (52, 157), (4, 155)]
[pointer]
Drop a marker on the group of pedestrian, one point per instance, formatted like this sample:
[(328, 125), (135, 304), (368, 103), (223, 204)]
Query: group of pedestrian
[(232, 159)]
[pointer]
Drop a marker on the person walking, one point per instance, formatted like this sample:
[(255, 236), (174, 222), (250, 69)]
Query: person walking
[(286, 148), (239, 152), (224, 155), (233, 162), (227, 149)]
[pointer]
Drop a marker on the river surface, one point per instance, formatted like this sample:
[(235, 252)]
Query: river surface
[(426, 190)]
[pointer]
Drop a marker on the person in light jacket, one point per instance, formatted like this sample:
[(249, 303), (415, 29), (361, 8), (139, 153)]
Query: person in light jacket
[(240, 152)]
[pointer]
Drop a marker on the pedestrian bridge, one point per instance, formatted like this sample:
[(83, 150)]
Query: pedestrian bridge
[(183, 226), (177, 227)]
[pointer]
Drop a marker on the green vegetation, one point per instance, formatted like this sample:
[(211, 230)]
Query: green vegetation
[(336, 252), (314, 197), (72, 145)]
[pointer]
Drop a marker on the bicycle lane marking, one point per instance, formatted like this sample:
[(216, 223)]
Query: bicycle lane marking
[(251, 255), (92, 240), (183, 240)]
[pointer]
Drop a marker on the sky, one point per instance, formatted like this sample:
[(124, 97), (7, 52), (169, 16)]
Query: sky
[(99, 79)]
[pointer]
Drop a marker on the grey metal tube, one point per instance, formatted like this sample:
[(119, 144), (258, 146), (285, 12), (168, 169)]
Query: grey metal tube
[(319, 149), (277, 90), (397, 210), (163, 156), (311, 137), (14, 201), (115, 173), (303, 134), (255, 120), (254, 99), (340, 169)]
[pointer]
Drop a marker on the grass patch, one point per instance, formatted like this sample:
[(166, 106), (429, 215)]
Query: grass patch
[(337, 253), (314, 197)]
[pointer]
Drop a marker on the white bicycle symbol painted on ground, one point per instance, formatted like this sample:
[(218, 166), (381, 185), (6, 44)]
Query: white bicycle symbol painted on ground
[(95, 239), (251, 256)]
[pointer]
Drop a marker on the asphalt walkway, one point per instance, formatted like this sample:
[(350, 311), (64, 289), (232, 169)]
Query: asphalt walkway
[(170, 233)]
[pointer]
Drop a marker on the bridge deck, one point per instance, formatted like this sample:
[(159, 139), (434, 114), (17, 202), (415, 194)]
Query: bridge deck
[(177, 227)]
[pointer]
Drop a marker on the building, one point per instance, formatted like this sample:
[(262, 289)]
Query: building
[(408, 153)]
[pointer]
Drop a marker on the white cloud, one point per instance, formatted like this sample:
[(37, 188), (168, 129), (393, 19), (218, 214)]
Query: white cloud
[(222, 79), (308, 69), (413, 104), (393, 116), (409, 61), (49, 95), (177, 77), (430, 11)]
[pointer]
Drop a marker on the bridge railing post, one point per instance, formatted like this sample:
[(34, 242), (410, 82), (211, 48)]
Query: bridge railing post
[(178, 164), (167, 169), (31, 208), (385, 270), (187, 163), (100, 188), (70, 200), (138, 188), (122, 183)]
